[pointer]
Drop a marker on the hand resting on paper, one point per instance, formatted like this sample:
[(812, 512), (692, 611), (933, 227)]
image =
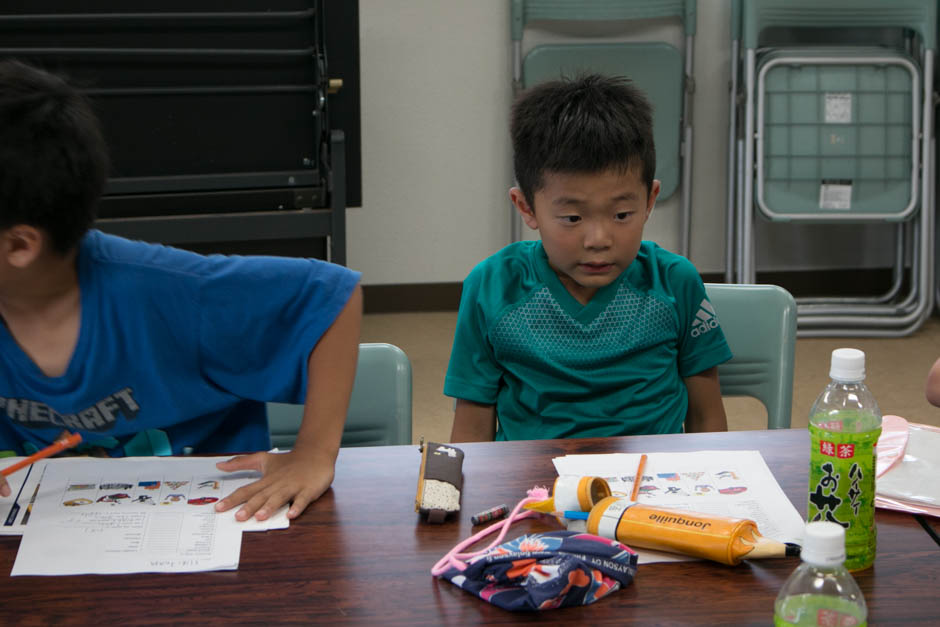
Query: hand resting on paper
[(4, 487), (297, 477), (305, 473)]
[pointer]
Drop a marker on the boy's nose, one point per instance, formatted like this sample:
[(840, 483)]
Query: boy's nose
[(597, 237)]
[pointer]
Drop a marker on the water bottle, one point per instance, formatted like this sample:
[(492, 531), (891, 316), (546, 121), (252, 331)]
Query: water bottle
[(821, 591), (844, 426)]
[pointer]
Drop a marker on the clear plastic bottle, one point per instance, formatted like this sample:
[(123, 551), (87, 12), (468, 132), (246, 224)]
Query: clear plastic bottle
[(844, 426), (821, 591)]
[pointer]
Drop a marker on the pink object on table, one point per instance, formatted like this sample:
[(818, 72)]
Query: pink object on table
[(891, 446)]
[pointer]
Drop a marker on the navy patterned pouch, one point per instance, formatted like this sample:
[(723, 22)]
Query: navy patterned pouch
[(543, 571)]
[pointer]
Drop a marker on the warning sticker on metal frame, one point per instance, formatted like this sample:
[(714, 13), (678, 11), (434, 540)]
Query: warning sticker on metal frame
[(835, 195), (838, 108)]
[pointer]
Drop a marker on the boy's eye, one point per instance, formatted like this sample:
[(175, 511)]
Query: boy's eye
[(623, 215), (570, 219)]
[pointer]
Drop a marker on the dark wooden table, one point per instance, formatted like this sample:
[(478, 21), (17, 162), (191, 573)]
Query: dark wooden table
[(361, 555)]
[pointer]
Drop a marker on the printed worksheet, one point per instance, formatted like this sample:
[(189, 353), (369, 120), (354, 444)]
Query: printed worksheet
[(16, 509), (727, 483), (131, 515)]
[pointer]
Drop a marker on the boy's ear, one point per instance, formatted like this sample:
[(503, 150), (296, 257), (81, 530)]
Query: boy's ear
[(522, 206), (21, 245), (654, 193)]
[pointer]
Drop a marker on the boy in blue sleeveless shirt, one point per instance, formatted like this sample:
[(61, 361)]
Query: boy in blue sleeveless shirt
[(127, 342), (591, 331)]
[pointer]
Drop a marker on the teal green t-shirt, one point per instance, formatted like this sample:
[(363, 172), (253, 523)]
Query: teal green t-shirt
[(555, 368)]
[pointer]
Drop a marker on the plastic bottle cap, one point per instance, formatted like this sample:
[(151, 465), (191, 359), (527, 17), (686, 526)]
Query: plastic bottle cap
[(848, 364), (823, 544)]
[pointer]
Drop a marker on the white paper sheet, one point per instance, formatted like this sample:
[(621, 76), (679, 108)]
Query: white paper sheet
[(728, 483), (15, 511), (132, 515)]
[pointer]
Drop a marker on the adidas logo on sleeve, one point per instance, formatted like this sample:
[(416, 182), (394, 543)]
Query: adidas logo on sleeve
[(705, 319)]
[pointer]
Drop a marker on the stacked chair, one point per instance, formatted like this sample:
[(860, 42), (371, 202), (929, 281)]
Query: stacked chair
[(656, 67), (827, 130)]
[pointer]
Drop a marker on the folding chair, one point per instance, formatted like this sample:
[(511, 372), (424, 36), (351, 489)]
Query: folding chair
[(841, 134), (759, 323), (656, 67), (735, 151), (379, 408)]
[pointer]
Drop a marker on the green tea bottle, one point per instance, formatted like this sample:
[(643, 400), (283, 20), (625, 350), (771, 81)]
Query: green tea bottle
[(844, 426), (821, 591)]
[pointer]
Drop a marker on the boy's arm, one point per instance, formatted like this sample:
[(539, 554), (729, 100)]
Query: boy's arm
[(706, 411), (306, 472), (473, 422), (933, 384)]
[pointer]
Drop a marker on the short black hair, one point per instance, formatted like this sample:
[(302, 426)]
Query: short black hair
[(53, 157), (590, 123)]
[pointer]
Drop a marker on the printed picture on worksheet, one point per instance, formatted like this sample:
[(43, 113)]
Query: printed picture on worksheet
[(157, 491), (668, 484)]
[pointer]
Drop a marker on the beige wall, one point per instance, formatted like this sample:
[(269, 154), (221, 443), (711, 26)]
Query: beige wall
[(435, 151)]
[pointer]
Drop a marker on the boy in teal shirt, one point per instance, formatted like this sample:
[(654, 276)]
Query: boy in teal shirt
[(591, 331)]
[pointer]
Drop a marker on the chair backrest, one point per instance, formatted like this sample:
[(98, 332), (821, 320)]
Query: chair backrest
[(655, 67), (759, 323), (917, 15), (524, 11), (379, 408)]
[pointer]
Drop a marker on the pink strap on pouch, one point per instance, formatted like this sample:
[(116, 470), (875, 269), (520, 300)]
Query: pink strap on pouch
[(456, 559)]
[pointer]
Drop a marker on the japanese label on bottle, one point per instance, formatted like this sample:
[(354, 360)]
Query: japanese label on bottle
[(842, 488), (835, 618)]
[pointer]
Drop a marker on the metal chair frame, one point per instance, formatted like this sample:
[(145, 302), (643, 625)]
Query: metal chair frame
[(891, 314)]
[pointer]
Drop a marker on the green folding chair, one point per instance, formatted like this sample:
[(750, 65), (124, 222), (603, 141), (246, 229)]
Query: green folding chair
[(658, 68), (379, 408), (840, 132), (759, 323)]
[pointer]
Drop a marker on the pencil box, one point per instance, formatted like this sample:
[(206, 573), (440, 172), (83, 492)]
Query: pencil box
[(439, 481)]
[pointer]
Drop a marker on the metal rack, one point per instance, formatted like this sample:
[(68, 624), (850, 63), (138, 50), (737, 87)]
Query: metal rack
[(217, 118)]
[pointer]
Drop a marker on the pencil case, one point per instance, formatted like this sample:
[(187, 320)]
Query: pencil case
[(440, 480)]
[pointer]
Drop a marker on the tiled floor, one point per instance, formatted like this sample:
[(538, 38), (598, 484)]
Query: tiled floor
[(897, 369)]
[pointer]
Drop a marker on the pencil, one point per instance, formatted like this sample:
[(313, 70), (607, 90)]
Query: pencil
[(52, 449), (638, 478)]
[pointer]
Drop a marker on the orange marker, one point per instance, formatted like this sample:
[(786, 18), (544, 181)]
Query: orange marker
[(638, 478), (52, 449)]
